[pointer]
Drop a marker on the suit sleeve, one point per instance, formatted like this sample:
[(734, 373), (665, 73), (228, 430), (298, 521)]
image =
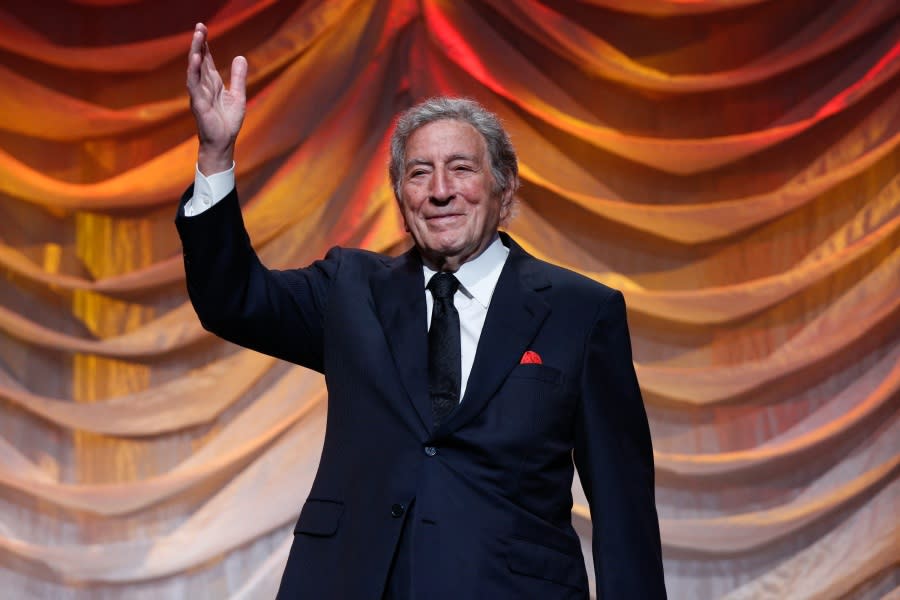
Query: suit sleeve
[(614, 458), (280, 313)]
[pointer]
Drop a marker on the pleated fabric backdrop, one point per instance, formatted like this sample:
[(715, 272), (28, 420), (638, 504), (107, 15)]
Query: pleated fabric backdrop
[(731, 165)]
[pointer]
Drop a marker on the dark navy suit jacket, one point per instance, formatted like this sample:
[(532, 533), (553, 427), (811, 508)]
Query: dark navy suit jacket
[(481, 506)]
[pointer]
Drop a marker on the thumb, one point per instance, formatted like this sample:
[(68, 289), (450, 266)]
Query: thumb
[(239, 76)]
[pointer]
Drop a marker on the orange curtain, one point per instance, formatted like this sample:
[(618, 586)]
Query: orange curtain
[(731, 165)]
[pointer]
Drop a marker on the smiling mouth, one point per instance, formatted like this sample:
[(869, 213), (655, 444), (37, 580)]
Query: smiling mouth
[(442, 220)]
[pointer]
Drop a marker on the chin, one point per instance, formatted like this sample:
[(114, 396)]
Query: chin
[(444, 245), (443, 250)]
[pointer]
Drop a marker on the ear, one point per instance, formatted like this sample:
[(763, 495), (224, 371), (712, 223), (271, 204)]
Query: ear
[(506, 204)]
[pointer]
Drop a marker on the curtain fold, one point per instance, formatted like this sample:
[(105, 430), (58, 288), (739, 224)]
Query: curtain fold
[(577, 44), (730, 165)]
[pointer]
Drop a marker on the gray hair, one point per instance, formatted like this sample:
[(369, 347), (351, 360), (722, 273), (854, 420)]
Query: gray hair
[(504, 166)]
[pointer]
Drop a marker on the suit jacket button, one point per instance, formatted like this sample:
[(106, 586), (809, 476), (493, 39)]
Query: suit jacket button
[(397, 510), (430, 450)]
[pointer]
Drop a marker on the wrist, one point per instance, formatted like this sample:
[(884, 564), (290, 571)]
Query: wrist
[(214, 160)]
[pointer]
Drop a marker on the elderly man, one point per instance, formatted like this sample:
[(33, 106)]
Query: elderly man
[(466, 379)]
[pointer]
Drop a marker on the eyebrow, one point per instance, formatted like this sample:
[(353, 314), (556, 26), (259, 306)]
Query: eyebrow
[(421, 161), (467, 157), (417, 161)]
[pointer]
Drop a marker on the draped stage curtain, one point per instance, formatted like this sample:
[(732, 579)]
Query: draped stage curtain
[(731, 165)]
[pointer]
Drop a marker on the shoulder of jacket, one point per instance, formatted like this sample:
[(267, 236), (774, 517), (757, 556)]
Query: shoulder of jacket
[(569, 281), (358, 255)]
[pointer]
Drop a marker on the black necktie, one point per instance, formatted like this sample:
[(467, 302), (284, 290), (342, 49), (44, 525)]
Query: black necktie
[(444, 362)]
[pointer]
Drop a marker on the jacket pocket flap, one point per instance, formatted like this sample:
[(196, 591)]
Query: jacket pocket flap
[(319, 517), (537, 560)]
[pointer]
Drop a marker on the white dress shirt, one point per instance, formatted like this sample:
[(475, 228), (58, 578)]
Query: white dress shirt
[(208, 190), (477, 280), (477, 277)]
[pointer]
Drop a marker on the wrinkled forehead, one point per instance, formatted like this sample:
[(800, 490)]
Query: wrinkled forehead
[(444, 140)]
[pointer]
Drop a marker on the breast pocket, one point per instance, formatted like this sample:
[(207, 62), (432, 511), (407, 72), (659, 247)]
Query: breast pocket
[(536, 371), (536, 397), (319, 518)]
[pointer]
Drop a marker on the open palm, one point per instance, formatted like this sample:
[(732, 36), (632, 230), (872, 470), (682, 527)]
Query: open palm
[(218, 111)]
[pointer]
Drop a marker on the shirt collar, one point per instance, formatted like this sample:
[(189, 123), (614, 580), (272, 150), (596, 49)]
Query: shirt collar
[(478, 277)]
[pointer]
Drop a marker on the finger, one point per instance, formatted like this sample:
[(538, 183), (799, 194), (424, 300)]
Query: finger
[(209, 75), (238, 83), (211, 80), (195, 54), (208, 61), (198, 39)]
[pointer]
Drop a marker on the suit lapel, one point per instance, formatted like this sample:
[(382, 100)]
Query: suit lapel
[(399, 295), (513, 320)]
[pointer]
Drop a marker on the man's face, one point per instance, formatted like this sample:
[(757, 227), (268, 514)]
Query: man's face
[(446, 194)]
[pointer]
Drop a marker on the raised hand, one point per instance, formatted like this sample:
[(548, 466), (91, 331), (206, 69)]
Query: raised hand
[(219, 112)]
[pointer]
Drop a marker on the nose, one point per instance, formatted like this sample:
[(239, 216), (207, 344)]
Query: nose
[(441, 188)]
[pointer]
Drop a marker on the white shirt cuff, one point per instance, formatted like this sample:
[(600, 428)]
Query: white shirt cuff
[(209, 190)]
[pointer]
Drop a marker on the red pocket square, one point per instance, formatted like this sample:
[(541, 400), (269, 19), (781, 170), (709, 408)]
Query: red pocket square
[(531, 358)]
